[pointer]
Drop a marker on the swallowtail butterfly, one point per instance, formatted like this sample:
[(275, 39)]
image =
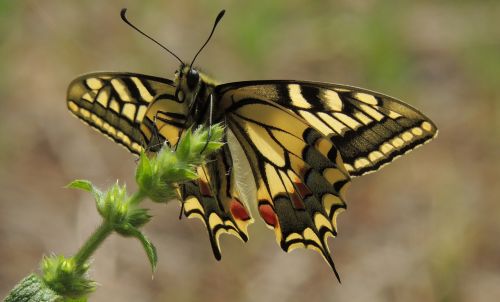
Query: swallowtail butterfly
[(303, 141)]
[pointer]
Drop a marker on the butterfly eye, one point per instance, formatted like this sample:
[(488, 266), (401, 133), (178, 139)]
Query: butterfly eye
[(192, 78)]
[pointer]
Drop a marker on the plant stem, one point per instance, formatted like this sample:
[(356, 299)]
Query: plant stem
[(89, 247), (137, 197)]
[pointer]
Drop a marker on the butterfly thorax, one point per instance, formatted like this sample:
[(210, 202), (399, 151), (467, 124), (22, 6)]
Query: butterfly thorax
[(194, 89)]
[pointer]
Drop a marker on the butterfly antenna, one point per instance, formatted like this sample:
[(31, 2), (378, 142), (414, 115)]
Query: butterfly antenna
[(217, 19), (124, 18)]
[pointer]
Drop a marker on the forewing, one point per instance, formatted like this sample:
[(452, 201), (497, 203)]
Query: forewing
[(135, 110), (368, 128)]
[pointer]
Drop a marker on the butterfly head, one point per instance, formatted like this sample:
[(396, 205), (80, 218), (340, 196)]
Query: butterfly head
[(188, 82), (192, 87)]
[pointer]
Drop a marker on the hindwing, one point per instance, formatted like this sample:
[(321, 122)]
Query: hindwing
[(215, 199), (299, 188)]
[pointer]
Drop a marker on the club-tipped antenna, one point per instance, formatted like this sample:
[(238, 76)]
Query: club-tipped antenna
[(217, 19), (124, 18)]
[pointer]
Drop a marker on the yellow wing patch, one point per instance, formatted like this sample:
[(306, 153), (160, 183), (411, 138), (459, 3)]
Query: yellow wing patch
[(115, 104)]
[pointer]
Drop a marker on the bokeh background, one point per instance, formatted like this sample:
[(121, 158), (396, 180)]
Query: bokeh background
[(425, 228)]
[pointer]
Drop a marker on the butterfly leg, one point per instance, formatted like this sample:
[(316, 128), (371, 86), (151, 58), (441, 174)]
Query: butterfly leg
[(209, 122), (156, 141)]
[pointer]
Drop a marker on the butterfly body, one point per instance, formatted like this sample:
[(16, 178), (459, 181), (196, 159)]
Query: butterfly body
[(194, 89), (301, 141)]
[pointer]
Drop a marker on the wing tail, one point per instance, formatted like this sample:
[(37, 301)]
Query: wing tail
[(299, 190), (214, 199)]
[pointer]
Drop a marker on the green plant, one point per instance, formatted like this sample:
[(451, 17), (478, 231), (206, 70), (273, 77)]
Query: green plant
[(66, 279)]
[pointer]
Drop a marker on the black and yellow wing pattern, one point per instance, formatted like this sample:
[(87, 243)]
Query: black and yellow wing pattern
[(215, 199), (141, 112), (127, 108), (304, 141), (300, 143), (369, 129), (299, 190)]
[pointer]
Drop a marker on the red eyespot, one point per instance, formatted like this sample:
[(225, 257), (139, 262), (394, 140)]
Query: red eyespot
[(238, 210), (267, 213)]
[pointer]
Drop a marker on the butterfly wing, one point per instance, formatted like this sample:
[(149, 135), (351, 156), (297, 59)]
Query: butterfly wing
[(299, 188), (304, 140), (134, 110), (368, 128), (215, 199), (140, 111)]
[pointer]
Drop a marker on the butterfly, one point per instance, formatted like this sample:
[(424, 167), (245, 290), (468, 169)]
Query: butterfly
[(296, 145)]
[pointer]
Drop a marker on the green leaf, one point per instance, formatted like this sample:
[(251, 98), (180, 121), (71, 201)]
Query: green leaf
[(32, 289), (144, 169), (85, 185), (216, 132), (148, 247), (81, 184), (212, 146), (187, 174), (161, 193), (184, 145), (138, 217), (206, 141)]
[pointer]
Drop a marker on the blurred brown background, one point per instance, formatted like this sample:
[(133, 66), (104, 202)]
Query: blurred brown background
[(425, 228)]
